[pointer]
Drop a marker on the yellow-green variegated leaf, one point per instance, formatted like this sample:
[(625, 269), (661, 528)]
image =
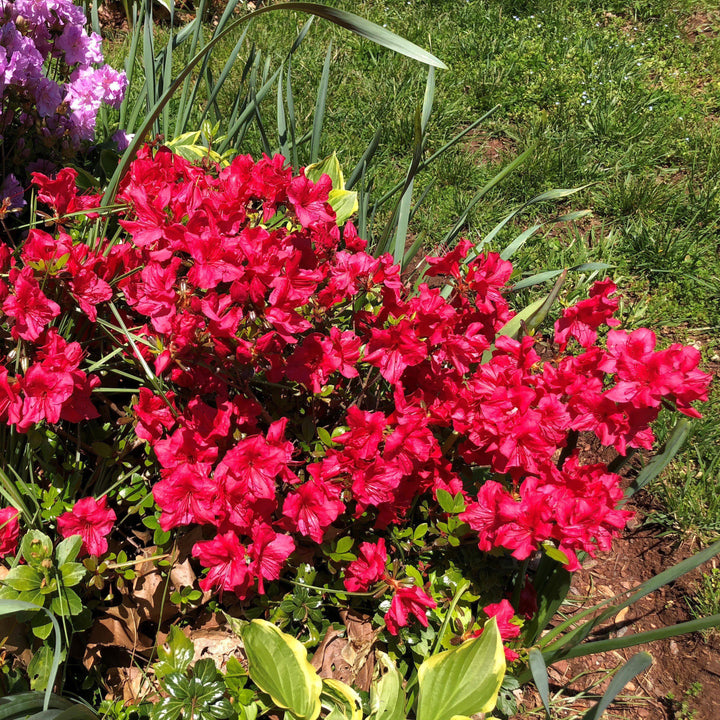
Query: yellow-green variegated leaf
[(462, 681), (341, 700), (329, 166), (387, 697), (278, 665), (344, 203), (187, 145)]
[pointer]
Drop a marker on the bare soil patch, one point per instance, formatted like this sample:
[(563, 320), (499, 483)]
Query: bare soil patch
[(702, 25), (492, 149)]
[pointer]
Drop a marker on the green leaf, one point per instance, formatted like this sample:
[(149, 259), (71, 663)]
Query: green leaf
[(68, 550), (329, 166), (618, 643), (558, 555), (552, 583), (324, 436), (445, 500), (35, 547), (555, 645), (344, 203), (368, 30), (39, 668), (77, 711), (342, 701), (10, 607), (536, 661), (168, 708), (18, 705), (319, 114), (661, 460), (420, 531), (72, 573), (458, 503), (278, 665), (41, 626), (23, 578), (462, 681), (204, 671), (176, 655), (344, 544), (68, 603), (187, 146), (387, 697)]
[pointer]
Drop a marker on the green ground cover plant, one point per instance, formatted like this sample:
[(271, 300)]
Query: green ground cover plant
[(205, 341)]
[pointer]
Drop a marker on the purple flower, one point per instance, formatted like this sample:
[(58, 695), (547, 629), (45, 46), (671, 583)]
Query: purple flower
[(11, 191), (36, 12), (79, 47), (49, 108), (122, 140), (112, 85), (48, 96)]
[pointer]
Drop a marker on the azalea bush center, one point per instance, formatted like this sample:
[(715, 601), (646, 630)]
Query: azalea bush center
[(306, 405)]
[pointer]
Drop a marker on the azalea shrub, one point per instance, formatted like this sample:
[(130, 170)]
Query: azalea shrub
[(330, 432), (53, 82)]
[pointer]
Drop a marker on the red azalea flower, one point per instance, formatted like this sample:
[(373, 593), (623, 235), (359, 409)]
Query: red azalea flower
[(269, 552), (311, 508), (9, 531), (503, 612), (31, 309), (92, 520), (368, 568), (407, 602), (228, 563), (309, 200)]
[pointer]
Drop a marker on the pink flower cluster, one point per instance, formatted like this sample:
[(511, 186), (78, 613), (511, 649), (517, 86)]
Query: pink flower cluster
[(310, 393), (52, 85)]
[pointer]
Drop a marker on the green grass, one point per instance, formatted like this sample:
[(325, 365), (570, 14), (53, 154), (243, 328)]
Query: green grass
[(707, 597), (621, 97)]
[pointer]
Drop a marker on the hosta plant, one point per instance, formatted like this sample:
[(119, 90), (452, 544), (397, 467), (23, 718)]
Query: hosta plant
[(458, 683)]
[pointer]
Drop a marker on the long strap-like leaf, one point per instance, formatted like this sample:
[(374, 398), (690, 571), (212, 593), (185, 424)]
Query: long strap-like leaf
[(352, 22), (633, 667)]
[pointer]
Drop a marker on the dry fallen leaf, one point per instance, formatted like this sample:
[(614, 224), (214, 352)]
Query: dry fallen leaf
[(117, 627), (131, 682), (348, 656), (620, 617)]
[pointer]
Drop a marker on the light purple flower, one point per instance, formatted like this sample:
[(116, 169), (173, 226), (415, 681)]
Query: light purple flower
[(112, 85), (78, 47), (67, 11), (48, 96), (36, 12), (52, 109)]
